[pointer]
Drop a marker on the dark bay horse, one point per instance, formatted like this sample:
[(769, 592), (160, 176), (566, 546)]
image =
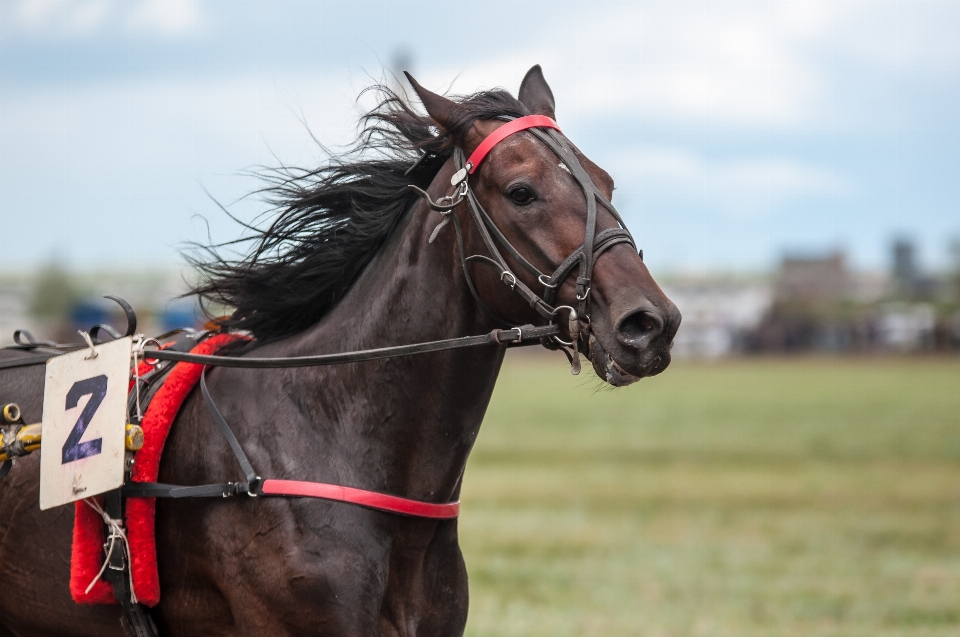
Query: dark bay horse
[(347, 264)]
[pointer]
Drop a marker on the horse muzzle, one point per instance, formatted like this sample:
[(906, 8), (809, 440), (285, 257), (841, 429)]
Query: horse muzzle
[(640, 347)]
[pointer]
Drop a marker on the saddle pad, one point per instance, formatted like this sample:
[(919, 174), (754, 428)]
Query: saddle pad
[(89, 533)]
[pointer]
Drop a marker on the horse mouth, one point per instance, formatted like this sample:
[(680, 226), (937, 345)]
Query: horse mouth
[(609, 370)]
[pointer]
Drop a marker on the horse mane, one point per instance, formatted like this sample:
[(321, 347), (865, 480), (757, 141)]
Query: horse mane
[(324, 225)]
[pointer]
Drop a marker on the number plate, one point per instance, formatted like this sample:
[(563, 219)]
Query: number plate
[(84, 421)]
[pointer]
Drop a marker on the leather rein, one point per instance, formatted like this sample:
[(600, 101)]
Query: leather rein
[(547, 131)]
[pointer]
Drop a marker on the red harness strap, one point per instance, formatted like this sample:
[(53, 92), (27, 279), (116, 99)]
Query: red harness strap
[(508, 129), (370, 499)]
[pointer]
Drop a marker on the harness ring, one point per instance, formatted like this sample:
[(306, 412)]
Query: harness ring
[(149, 361), (545, 284)]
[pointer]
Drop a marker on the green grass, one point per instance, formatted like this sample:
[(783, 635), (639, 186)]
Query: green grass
[(763, 497)]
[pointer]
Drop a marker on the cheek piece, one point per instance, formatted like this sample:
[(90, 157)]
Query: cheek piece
[(594, 244)]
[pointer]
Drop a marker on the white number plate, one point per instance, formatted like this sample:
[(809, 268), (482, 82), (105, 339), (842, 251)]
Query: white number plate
[(84, 421)]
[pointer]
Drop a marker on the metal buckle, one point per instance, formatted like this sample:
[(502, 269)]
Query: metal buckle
[(545, 283), (141, 351)]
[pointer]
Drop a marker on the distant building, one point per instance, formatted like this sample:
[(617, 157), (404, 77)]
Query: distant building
[(819, 305), (807, 310), (907, 327), (716, 314), (909, 282), (812, 281)]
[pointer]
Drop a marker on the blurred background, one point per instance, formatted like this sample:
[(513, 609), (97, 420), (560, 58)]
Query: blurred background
[(791, 170)]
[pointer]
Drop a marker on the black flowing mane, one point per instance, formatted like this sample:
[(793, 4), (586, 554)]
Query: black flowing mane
[(325, 225)]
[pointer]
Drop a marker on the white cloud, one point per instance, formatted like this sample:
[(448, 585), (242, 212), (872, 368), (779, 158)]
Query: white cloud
[(87, 18), (911, 37), (780, 65), (740, 187), (77, 17), (704, 63), (163, 134), (165, 17)]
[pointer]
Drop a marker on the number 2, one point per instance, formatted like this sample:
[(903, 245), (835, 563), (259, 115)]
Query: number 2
[(96, 388)]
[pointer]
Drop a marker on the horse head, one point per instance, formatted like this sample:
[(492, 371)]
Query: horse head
[(542, 217)]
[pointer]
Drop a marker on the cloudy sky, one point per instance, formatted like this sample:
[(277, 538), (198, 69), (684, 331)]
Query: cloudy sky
[(736, 131)]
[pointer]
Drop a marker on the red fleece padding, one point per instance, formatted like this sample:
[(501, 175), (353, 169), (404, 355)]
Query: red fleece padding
[(88, 528), (89, 535)]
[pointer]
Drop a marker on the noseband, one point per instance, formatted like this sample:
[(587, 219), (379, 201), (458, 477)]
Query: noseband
[(594, 243)]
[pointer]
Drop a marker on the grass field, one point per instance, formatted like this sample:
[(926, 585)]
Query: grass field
[(763, 497)]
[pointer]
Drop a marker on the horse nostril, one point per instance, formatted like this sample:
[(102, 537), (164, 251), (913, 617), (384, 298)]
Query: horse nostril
[(638, 326)]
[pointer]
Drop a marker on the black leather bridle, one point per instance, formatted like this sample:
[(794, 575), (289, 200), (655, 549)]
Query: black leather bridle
[(594, 243)]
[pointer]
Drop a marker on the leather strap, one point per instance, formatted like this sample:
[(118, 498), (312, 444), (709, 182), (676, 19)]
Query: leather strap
[(136, 618), (508, 129), (248, 472), (496, 337), (27, 361), (369, 499), (160, 490)]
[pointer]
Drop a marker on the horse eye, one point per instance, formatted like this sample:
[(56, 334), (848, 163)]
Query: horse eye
[(522, 196)]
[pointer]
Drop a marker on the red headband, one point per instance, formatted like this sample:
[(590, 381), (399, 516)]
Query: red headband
[(508, 129)]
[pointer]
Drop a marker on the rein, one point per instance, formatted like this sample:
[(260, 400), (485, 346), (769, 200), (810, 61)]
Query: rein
[(515, 336)]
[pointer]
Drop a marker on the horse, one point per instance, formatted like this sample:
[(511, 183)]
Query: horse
[(351, 258)]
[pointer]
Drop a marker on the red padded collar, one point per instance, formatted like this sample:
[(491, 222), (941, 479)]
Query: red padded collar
[(497, 136)]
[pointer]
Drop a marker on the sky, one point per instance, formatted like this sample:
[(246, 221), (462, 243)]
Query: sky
[(736, 132)]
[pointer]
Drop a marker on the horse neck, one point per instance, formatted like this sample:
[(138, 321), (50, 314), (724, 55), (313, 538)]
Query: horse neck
[(403, 425)]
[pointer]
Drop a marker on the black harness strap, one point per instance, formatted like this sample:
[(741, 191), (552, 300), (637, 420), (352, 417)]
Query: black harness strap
[(603, 241), (28, 361), (251, 476), (136, 618), (512, 337), (527, 334), (224, 490), (160, 490)]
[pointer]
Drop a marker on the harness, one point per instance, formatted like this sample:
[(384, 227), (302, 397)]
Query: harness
[(578, 321), (586, 255)]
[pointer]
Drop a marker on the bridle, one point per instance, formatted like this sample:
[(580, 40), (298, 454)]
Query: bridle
[(586, 255)]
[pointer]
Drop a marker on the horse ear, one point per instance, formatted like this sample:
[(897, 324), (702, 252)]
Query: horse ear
[(440, 109), (535, 93)]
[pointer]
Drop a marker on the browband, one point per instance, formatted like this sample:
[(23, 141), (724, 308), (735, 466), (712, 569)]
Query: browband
[(508, 129)]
